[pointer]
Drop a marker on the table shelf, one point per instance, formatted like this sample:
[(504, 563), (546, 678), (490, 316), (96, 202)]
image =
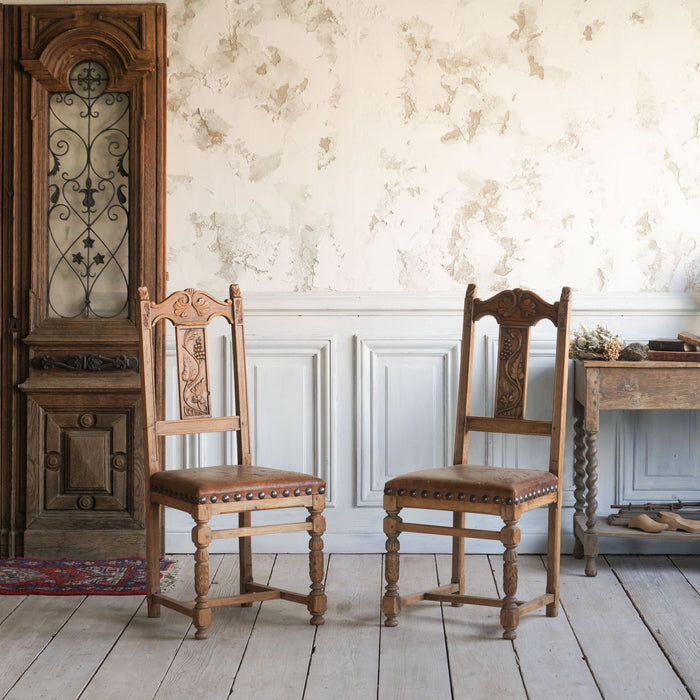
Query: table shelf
[(604, 529), (618, 386)]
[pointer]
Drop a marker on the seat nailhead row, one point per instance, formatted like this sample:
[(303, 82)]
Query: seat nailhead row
[(473, 498), (239, 496), (261, 494)]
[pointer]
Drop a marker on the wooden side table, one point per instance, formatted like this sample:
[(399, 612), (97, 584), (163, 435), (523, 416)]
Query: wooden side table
[(617, 386)]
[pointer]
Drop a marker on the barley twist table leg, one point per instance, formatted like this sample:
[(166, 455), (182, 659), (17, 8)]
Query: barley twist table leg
[(591, 502), (579, 474)]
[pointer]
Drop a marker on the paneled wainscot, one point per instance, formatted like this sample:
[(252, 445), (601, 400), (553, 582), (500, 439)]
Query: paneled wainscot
[(357, 388)]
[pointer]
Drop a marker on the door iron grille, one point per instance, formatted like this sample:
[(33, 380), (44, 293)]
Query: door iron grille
[(88, 180)]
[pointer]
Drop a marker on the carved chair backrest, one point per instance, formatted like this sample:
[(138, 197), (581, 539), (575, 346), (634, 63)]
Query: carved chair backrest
[(190, 311), (516, 312)]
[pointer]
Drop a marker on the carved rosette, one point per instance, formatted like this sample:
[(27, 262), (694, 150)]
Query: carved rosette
[(517, 305), (86, 502), (119, 461), (87, 420), (191, 304), (53, 460)]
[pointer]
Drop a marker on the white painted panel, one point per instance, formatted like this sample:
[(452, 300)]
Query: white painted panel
[(659, 456), (289, 391), (289, 387), (405, 407), (280, 410), (414, 416)]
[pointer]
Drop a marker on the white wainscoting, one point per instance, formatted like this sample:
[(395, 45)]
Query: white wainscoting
[(357, 388), (662, 453), (405, 408)]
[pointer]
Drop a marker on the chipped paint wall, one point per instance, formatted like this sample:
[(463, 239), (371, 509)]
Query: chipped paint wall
[(405, 145), (408, 145)]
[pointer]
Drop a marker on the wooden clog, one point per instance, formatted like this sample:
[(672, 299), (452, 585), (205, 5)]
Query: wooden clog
[(676, 522), (644, 522)]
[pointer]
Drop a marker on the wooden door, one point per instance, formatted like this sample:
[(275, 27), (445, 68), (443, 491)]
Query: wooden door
[(83, 226)]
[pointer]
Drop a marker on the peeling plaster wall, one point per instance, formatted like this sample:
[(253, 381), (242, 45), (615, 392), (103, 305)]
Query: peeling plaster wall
[(404, 145)]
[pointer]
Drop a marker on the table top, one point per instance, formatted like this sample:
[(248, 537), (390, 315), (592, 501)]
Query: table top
[(641, 365)]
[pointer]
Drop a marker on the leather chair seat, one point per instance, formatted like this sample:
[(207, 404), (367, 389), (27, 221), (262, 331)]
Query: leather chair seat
[(472, 483), (225, 483)]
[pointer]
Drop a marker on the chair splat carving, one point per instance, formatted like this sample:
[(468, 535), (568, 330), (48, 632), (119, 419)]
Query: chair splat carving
[(511, 386), (193, 373)]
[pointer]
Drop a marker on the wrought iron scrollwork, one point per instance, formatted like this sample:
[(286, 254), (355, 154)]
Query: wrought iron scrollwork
[(86, 363), (88, 217)]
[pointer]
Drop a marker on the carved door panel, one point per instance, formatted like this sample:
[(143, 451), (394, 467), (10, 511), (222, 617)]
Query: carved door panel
[(83, 227)]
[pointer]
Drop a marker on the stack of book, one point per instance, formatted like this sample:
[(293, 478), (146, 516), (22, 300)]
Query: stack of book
[(684, 348)]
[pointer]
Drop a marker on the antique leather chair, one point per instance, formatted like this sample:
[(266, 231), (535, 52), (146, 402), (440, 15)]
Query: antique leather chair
[(213, 490), (477, 488)]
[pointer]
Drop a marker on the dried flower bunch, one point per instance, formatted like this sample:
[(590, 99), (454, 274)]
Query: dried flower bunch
[(596, 344)]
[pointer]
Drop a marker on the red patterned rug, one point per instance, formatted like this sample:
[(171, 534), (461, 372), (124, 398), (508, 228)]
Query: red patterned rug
[(76, 577)]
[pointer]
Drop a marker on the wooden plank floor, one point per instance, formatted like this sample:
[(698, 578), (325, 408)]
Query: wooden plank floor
[(631, 632)]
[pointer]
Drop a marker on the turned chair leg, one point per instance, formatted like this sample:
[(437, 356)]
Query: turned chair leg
[(201, 615), (391, 602), (510, 615), (317, 597)]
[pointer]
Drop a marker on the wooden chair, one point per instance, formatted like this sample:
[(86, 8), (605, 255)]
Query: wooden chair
[(477, 488), (212, 490)]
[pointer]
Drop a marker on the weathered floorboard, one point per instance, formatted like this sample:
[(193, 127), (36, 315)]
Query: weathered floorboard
[(277, 657), (71, 658), (351, 630), (8, 603), (622, 654), (482, 664), (550, 657), (689, 566), (207, 668), (156, 639), (39, 618), (632, 631), (669, 606), (413, 662)]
